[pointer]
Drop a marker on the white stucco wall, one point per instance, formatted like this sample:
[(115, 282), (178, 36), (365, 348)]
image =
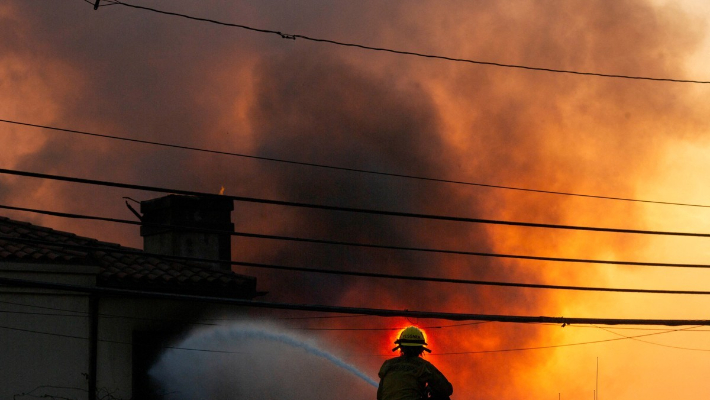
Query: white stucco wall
[(119, 318), (44, 335)]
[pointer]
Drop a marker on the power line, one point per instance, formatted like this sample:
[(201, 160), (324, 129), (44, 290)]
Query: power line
[(322, 317), (106, 291), (209, 319), (369, 274), (83, 314), (45, 314), (365, 171), (393, 329), (344, 209), (187, 322), (469, 281), (560, 345), (402, 52), (355, 244), (378, 355), (101, 315), (652, 343), (664, 331), (630, 328), (97, 5), (112, 341)]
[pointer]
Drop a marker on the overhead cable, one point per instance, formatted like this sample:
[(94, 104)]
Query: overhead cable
[(84, 314), (355, 244), (191, 322), (377, 355), (357, 170), (634, 328), (401, 52), (96, 4), (565, 345), (112, 341), (106, 291), (344, 209), (361, 274), (652, 343), (664, 331)]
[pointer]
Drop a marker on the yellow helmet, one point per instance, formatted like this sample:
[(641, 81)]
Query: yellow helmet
[(411, 337)]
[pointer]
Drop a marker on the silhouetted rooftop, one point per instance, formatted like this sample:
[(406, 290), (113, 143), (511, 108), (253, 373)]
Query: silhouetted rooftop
[(137, 271)]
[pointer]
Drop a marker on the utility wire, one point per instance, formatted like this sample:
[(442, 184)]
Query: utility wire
[(106, 316), (690, 329), (100, 5), (560, 345), (392, 329), (210, 319), (354, 244), (344, 209), (401, 52), (365, 171), (378, 355), (188, 322), (113, 341), (630, 328), (106, 291), (83, 314), (45, 314), (364, 274), (653, 343)]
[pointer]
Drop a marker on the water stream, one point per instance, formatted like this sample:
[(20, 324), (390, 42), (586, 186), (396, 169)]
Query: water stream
[(245, 361)]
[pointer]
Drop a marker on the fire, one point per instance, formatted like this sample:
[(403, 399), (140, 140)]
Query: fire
[(535, 130)]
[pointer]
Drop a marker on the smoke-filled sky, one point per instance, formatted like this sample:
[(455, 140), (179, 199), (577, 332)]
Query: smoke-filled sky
[(137, 74)]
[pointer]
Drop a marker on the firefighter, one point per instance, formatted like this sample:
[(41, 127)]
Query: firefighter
[(409, 376)]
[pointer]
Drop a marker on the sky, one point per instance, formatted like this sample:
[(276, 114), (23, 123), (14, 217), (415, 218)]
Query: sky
[(138, 74)]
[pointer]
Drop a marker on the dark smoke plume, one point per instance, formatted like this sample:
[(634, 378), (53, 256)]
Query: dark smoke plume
[(131, 73)]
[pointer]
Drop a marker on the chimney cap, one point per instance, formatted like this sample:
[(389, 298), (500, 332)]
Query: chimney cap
[(213, 212), (187, 202)]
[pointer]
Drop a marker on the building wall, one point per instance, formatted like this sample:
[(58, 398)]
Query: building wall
[(132, 333), (44, 335)]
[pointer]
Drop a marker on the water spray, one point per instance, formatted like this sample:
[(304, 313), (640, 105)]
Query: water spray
[(179, 368), (250, 332)]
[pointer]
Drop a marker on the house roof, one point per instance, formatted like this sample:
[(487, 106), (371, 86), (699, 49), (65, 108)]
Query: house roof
[(119, 266)]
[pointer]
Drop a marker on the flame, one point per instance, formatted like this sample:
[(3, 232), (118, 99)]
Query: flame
[(537, 130)]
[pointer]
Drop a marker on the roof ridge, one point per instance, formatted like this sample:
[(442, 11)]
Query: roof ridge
[(48, 230), (122, 266)]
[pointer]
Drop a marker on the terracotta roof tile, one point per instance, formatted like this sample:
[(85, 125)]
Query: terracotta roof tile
[(137, 271)]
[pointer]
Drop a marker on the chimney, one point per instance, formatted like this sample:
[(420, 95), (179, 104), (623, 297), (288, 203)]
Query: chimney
[(185, 212)]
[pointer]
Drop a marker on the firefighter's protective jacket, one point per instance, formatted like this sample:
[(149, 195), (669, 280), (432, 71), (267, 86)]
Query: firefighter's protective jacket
[(409, 378)]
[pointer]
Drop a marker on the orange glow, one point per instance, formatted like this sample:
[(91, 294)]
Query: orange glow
[(375, 111)]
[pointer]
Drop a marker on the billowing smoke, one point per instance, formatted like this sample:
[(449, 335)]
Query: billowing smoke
[(132, 73)]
